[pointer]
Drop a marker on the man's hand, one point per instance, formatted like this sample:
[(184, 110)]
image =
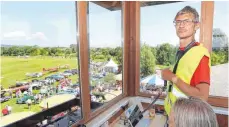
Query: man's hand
[(167, 74)]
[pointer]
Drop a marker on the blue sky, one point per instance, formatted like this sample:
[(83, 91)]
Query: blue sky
[(53, 23)]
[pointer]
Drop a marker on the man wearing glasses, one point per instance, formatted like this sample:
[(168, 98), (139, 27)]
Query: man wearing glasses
[(191, 73)]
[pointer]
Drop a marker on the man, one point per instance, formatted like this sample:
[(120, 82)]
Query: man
[(9, 108), (29, 102), (192, 74)]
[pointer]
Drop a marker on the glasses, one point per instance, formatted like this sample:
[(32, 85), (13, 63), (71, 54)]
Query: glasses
[(185, 22)]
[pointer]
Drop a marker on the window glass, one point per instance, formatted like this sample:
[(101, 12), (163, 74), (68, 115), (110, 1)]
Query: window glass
[(105, 49), (219, 55), (39, 59), (159, 42)]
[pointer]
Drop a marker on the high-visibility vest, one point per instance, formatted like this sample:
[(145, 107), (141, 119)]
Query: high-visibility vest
[(185, 70)]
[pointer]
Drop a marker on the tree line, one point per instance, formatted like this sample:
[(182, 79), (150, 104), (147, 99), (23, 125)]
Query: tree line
[(36, 51), (162, 55)]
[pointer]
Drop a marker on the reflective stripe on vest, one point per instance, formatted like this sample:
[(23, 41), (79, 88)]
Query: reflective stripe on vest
[(185, 70)]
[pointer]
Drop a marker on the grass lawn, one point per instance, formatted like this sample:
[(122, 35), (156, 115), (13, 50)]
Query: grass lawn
[(13, 69), (20, 107)]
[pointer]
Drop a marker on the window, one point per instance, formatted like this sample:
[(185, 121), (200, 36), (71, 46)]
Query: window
[(219, 55), (158, 41), (39, 59), (105, 49)]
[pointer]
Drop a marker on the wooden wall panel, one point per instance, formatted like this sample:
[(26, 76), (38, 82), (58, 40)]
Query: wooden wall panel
[(207, 14), (126, 40), (83, 58), (222, 120), (133, 41)]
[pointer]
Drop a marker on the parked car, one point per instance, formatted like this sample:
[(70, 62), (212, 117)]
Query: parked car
[(33, 75), (47, 81), (99, 76), (23, 99), (66, 74), (75, 85), (57, 77), (36, 85), (69, 91), (4, 98), (23, 83), (73, 71)]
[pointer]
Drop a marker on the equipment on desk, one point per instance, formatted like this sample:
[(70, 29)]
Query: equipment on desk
[(134, 114)]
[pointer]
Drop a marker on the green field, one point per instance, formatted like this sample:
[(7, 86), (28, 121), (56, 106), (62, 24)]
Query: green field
[(14, 69)]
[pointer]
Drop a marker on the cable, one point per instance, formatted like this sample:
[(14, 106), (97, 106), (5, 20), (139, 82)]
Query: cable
[(148, 106)]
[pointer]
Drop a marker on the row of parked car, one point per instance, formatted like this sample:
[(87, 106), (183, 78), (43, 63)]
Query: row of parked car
[(48, 80), (38, 83), (44, 87), (4, 98), (60, 76)]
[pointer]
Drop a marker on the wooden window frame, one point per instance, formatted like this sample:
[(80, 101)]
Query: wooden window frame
[(82, 14), (131, 54)]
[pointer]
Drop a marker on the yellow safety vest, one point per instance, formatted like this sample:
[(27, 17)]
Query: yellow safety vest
[(185, 70)]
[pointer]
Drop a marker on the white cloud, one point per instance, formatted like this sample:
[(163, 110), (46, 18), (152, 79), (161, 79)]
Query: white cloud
[(15, 35), (21, 35), (38, 36)]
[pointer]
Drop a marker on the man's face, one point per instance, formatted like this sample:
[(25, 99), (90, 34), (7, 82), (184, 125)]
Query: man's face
[(186, 27)]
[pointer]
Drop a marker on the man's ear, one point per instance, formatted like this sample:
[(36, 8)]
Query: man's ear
[(197, 26)]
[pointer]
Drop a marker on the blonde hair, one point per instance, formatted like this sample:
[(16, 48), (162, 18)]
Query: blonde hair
[(194, 112), (188, 9)]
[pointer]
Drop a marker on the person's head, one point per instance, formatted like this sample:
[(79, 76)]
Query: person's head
[(186, 22), (192, 112)]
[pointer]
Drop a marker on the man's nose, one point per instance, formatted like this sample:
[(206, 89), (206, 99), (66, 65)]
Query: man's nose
[(181, 24)]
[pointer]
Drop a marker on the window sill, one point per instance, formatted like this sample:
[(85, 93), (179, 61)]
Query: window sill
[(103, 117), (106, 115), (217, 110)]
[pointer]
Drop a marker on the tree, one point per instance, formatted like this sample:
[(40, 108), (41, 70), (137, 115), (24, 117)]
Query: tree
[(73, 48), (35, 51), (3, 51), (119, 55), (165, 54), (220, 47), (109, 78), (214, 59), (147, 61), (44, 52), (67, 52)]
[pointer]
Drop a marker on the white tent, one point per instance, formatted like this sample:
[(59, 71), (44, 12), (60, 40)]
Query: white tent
[(153, 80), (111, 66), (111, 63)]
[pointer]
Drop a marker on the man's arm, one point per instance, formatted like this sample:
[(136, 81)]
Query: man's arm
[(199, 87), (201, 90)]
